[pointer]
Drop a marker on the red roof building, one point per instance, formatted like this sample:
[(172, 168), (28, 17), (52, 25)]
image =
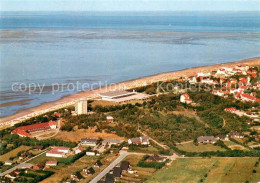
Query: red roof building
[(25, 131)]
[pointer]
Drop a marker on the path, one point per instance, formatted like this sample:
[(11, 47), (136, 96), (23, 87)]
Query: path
[(21, 164), (158, 143), (56, 132), (184, 142)]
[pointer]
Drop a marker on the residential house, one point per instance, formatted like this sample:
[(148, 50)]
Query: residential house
[(155, 158), (51, 163), (125, 166), (89, 141), (143, 140), (109, 178), (38, 167), (206, 139), (98, 164), (8, 163), (185, 98), (58, 152), (79, 150), (112, 142), (236, 135), (110, 119), (222, 137), (117, 172), (91, 153)]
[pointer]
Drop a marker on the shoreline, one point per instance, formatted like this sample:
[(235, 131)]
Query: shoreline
[(129, 84)]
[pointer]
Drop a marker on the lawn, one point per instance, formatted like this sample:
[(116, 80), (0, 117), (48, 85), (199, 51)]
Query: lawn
[(209, 170), (190, 147), (66, 170), (13, 153)]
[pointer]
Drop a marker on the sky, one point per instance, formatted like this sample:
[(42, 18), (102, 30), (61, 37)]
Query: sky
[(130, 5)]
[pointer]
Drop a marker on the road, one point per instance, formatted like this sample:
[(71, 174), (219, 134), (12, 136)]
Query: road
[(21, 164), (110, 167)]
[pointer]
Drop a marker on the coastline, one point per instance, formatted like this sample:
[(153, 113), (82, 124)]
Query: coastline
[(142, 81)]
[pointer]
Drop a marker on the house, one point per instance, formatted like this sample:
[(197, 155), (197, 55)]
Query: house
[(25, 166), (207, 81), (155, 158), (38, 147), (236, 135), (206, 139), (110, 178), (112, 142), (192, 80), (204, 74), (231, 109), (249, 98), (218, 93), (110, 119), (26, 131), (79, 150), (144, 140), (8, 163), (91, 153), (185, 98), (57, 114), (58, 152), (251, 114), (117, 172), (222, 137), (37, 167), (51, 163), (89, 171), (89, 141), (125, 165), (11, 176), (98, 164)]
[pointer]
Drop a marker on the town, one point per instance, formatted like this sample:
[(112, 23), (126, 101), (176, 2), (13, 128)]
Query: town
[(133, 135)]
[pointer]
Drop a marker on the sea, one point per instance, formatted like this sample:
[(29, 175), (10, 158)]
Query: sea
[(48, 55)]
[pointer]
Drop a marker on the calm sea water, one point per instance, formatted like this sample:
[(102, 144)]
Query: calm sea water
[(46, 49)]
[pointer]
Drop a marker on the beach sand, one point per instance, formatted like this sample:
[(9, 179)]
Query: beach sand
[(128, 85)]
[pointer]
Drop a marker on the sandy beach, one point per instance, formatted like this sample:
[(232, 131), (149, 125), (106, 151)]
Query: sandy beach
[(68, 100)]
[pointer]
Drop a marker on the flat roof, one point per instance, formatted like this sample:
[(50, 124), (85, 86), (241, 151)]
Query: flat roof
[(116, 93)]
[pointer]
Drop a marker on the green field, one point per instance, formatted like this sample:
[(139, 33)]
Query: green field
[(209, 170), (14, 152), (190, 147)]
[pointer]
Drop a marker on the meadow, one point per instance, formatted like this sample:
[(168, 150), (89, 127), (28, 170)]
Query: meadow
[(209, 170)]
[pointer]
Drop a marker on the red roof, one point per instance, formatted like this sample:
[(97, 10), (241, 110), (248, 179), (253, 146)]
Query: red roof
[(248, 96), (231, 109), (25, 130), (21, 132), (186, 95)]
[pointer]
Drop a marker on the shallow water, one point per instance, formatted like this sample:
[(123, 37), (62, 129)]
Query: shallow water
[(44, 51)]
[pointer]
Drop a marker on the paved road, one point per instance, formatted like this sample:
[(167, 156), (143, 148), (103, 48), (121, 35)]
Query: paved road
[(23, 164), (110, 167)]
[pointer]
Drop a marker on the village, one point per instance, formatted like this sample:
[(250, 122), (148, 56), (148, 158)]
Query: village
[(134, 159)]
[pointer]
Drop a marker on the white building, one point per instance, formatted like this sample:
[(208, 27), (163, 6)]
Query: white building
[(122, 96), (204, 74), (81, 107), (90, 153), (58, 152), (185, 98)]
